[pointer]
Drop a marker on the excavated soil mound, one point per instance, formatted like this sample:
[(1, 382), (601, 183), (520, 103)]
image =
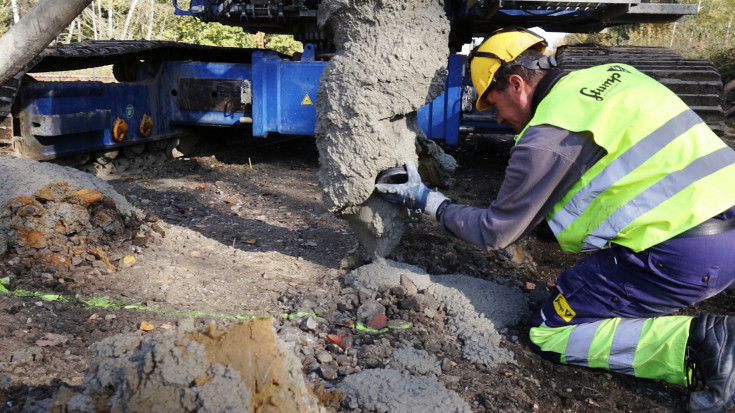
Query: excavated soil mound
[(61, 225)]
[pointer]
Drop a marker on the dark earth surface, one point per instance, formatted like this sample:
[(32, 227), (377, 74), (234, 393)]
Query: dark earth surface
[(244, 231)]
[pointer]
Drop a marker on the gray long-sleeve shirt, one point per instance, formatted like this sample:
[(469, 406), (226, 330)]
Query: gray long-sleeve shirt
[(543, 166)]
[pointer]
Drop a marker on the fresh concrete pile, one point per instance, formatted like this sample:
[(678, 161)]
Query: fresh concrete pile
[(390, 61), (410, 315), (57, 222), (390, 391), (242, 368), (477, 309)]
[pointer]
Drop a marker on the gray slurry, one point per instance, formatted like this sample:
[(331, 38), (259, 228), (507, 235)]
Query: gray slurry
[(477, 308), (386, 390)]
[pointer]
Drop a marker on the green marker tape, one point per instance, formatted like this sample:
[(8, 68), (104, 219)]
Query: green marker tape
[(363, 327)]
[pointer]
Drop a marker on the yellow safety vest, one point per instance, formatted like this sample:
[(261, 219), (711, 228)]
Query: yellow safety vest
[(665, 170)]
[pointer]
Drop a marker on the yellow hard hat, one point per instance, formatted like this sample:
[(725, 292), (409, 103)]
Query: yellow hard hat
[(502, 47)]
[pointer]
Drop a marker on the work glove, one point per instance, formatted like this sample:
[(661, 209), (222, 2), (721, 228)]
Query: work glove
[(413, 194)]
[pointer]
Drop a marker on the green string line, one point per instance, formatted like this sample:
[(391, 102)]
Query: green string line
[(100, 302)]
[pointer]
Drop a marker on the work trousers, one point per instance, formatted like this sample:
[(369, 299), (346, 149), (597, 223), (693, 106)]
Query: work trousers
[(607, 310)]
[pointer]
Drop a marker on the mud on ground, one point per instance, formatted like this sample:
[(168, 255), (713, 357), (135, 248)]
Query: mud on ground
[(244, 232)]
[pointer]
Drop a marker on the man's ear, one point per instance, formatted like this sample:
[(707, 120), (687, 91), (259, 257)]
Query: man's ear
[(516, 82)]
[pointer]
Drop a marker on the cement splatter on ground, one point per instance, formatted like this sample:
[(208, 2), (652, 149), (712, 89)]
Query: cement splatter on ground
[(387, 390), (478, 308)]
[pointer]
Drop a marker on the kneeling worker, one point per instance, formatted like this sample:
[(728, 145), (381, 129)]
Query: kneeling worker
[(617, 164)]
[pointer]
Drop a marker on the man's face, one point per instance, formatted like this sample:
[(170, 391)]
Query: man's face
[(514, 103)]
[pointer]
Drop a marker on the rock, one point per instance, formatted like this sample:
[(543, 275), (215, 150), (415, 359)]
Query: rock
[(308, 324), (323, 356), (374, 356), (515, 256), (350, 262), (415, 302), (365, 294), (379, 321), (344, 360), (368, 310), (54, 191), (431, 302), (408, 285), (86, 197), (399, 291), (30, 238), (329, 371), (296, 336)]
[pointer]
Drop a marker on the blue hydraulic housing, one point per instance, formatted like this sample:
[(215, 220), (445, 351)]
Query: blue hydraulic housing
[(270, 95), (284, 93), (440, 119)]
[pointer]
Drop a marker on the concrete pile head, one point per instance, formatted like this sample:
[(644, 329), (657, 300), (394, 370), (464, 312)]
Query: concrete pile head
[(390, 60)]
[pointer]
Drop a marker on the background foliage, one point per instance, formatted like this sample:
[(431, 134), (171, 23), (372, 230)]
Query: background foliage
[(149, 20), (709, 34)]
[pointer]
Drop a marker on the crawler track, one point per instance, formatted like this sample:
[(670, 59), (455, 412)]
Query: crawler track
[(697, 82)]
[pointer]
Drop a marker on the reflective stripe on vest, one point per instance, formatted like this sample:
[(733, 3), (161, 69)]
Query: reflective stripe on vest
[(656, 194), (665, 171), (619, 167)]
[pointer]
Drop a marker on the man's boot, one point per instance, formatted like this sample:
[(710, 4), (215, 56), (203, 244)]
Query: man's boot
[(711, 347)]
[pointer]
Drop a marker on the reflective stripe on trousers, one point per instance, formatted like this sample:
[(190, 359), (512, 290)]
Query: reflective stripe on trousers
[(649, 348)]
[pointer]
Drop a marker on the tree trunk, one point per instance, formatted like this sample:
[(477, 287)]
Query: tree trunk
[(71, 31), (128, 19), (34, 31), (16, 12), (110, 31), (673, 33), (94, 21), (151, 19)]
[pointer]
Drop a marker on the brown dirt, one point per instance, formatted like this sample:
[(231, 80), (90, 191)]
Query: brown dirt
[(246, 232)]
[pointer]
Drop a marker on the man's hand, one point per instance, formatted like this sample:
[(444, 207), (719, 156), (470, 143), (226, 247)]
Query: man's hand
[(413, 193)]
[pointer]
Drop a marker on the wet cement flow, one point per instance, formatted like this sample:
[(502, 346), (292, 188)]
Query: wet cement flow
[(390, 61)]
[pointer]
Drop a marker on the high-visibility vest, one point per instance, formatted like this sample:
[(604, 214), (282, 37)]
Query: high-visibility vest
[(665, 171)]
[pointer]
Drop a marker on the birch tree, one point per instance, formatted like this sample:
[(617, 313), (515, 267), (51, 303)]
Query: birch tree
[(16, 12), (128, 19), (94, 21)]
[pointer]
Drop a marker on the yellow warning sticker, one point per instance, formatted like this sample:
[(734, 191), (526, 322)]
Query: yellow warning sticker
[(563, 309), (306, 100)]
